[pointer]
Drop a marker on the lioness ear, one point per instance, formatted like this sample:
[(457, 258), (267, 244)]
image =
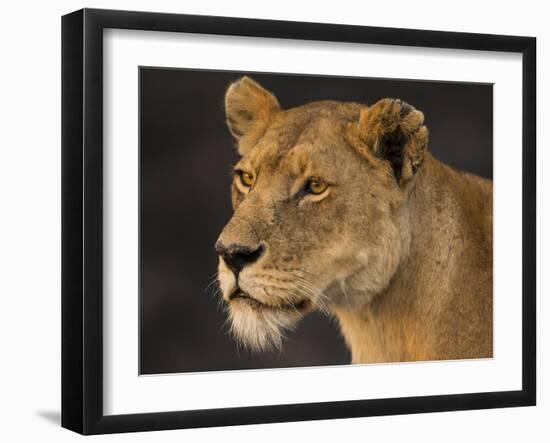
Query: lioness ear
[(394, 132), (249, 109)]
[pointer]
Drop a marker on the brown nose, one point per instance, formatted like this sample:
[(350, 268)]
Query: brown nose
[(237, 256)]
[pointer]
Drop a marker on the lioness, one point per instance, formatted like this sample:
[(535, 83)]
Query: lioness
[(340, 207)]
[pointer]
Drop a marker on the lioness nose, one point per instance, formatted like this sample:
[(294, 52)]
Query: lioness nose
[(237, 256)]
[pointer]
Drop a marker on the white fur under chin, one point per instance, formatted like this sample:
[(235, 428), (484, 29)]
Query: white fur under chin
[(260, 330)]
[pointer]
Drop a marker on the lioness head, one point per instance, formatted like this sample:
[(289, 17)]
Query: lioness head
[(316, 196)]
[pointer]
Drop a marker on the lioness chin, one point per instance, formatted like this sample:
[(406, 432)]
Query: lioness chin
[(340, 207)]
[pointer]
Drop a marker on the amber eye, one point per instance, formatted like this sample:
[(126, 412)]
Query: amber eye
[(316, 185), (247, 180)]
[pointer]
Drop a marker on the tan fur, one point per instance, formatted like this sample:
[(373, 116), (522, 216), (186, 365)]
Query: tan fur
[(249, 109), (399, 248)]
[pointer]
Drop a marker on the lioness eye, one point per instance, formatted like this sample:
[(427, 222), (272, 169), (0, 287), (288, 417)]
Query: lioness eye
[(316, 185), (247, 180)]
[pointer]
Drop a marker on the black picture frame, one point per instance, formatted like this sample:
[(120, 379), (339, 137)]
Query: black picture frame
[(82, 219)]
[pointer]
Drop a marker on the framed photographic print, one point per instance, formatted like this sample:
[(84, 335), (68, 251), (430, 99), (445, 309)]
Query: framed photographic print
[(270, 221)]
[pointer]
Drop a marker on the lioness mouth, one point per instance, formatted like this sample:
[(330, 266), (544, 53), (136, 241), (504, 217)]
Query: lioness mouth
[(239, 294)]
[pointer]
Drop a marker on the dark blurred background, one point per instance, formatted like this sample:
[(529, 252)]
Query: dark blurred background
[(186, 155)]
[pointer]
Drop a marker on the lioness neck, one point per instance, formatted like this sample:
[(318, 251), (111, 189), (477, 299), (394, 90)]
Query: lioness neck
[(438, 305)]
